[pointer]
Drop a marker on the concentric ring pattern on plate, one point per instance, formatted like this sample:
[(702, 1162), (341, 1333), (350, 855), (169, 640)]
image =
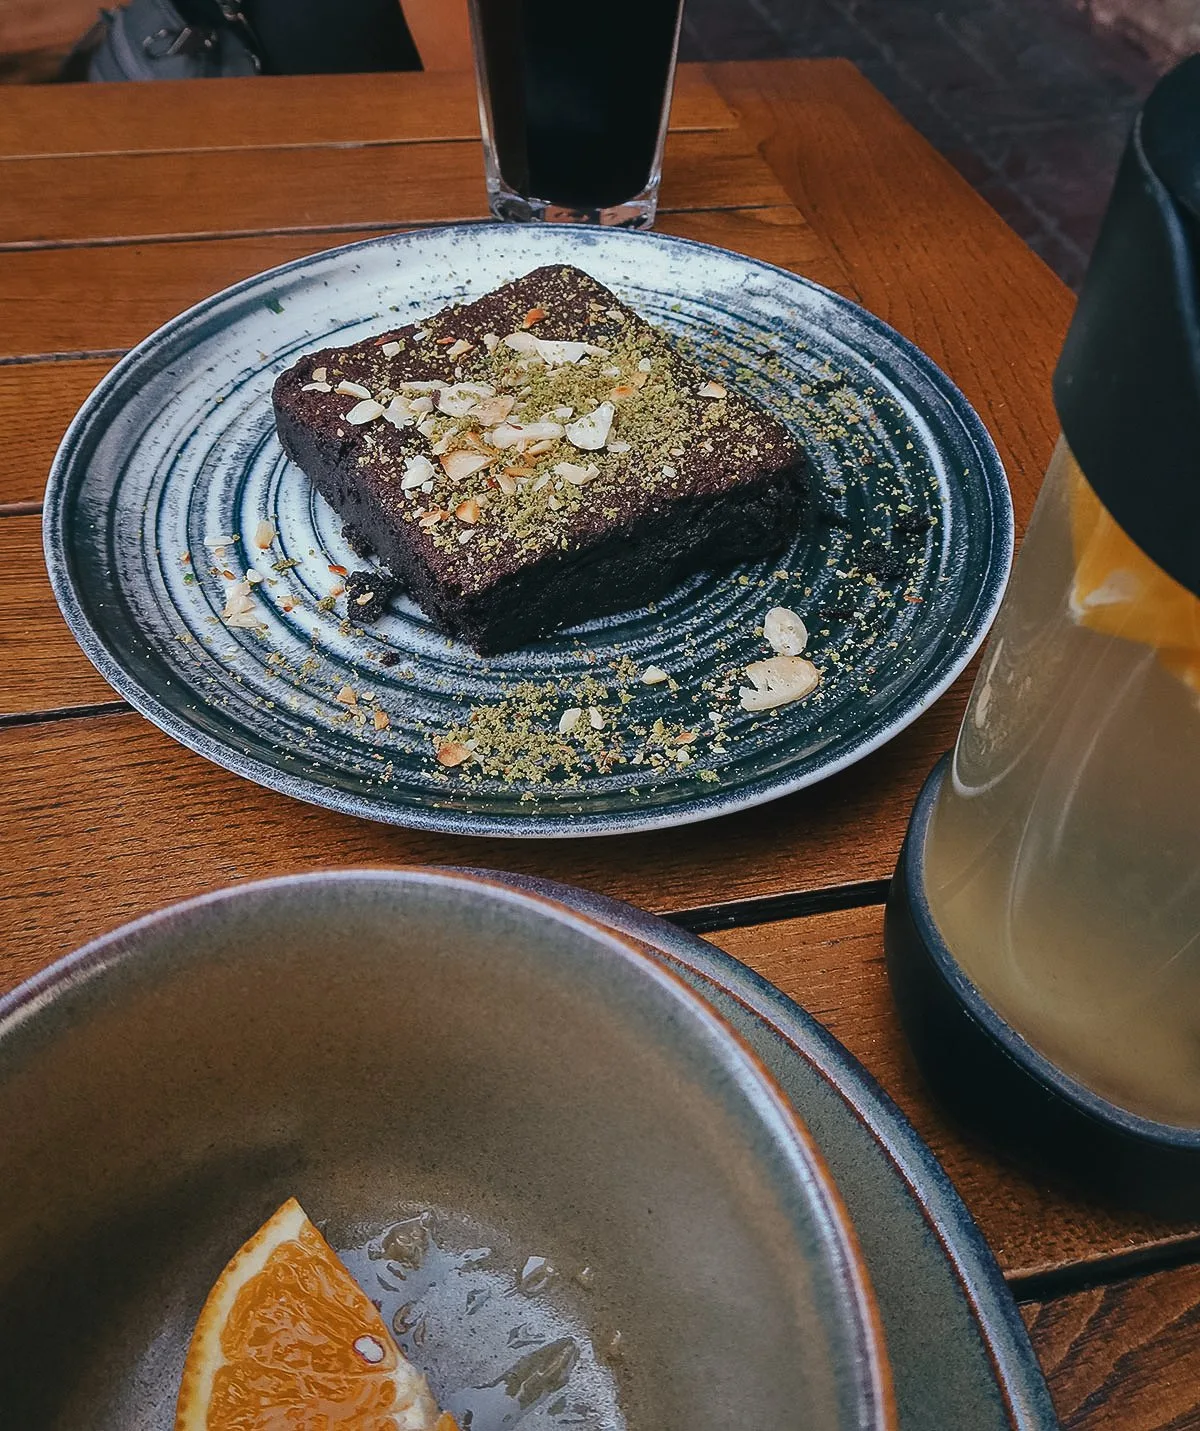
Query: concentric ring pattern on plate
[(897, 574)]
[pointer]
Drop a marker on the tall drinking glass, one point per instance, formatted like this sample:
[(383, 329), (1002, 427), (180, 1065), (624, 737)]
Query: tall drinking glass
[(573, 101)]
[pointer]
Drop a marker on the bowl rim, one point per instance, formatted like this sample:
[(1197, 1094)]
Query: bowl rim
[(860, 1316), (1089, 1105)]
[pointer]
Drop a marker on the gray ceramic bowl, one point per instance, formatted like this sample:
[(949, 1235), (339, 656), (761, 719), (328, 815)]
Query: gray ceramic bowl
[(524, 1136)]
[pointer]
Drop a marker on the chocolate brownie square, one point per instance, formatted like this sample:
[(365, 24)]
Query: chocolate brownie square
[(538, 457)]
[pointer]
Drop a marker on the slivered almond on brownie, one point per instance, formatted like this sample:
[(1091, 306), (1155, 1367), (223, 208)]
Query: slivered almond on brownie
[(538, 457)]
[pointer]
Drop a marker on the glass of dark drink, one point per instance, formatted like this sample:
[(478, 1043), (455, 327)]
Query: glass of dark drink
[(573, 100)]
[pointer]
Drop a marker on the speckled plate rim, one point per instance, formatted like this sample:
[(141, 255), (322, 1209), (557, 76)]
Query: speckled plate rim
[(1018, 1374), (537, 824)]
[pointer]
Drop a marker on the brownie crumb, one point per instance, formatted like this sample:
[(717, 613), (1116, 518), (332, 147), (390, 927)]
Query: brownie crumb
[(390, 658), (837, 613), (876, 559), (367, 594), (912, 524)]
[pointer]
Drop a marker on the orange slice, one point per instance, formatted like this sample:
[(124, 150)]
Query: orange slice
[(1119, 591), (287, 1340)]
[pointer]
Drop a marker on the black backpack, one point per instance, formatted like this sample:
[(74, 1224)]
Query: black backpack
[(200, 39)]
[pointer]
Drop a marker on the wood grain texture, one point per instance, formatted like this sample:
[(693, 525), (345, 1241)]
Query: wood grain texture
[(441, 32), (27, 25), (72, 300), (193, 193), (37, 401), (1124, 1357), (832, 965), (276, 111), (925, 252), (34, 639), (167, 817)]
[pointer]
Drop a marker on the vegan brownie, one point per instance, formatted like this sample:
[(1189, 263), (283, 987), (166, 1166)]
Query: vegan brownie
[(538, 457)]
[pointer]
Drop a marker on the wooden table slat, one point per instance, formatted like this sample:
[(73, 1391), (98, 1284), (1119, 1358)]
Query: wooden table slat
[(79, 300), (832, 964), (1125, 1356), (197, 193), (275, 110), (37, 401), (35, 642), (924, 251), (166, 817)]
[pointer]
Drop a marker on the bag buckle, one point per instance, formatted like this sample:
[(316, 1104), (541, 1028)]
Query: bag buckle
[(191, 40)]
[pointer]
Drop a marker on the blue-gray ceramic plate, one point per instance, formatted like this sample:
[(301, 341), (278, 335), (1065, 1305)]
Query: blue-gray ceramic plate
[(959, 1352), (171, 469)]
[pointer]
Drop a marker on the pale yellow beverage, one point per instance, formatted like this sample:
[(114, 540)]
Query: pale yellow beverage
[(1063, 860)]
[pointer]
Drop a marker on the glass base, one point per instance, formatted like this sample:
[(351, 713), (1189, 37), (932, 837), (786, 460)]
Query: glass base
[(635, 213)]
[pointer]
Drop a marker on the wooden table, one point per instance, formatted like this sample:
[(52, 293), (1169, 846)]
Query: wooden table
[(121, 205)]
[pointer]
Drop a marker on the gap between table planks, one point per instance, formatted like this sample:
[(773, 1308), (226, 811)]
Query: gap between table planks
[(276, 111), (65, 301), (108, 198)]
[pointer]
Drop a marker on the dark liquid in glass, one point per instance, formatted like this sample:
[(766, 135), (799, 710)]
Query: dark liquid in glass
[(576, 92)]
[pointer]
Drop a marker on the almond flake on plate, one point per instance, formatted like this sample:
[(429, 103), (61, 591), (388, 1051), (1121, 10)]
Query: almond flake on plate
[(451, 753), (713, 390), (654, 676), (569, 720), (347, 696), (778, 682), (784, 631), (264, 535), (380, 720)]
